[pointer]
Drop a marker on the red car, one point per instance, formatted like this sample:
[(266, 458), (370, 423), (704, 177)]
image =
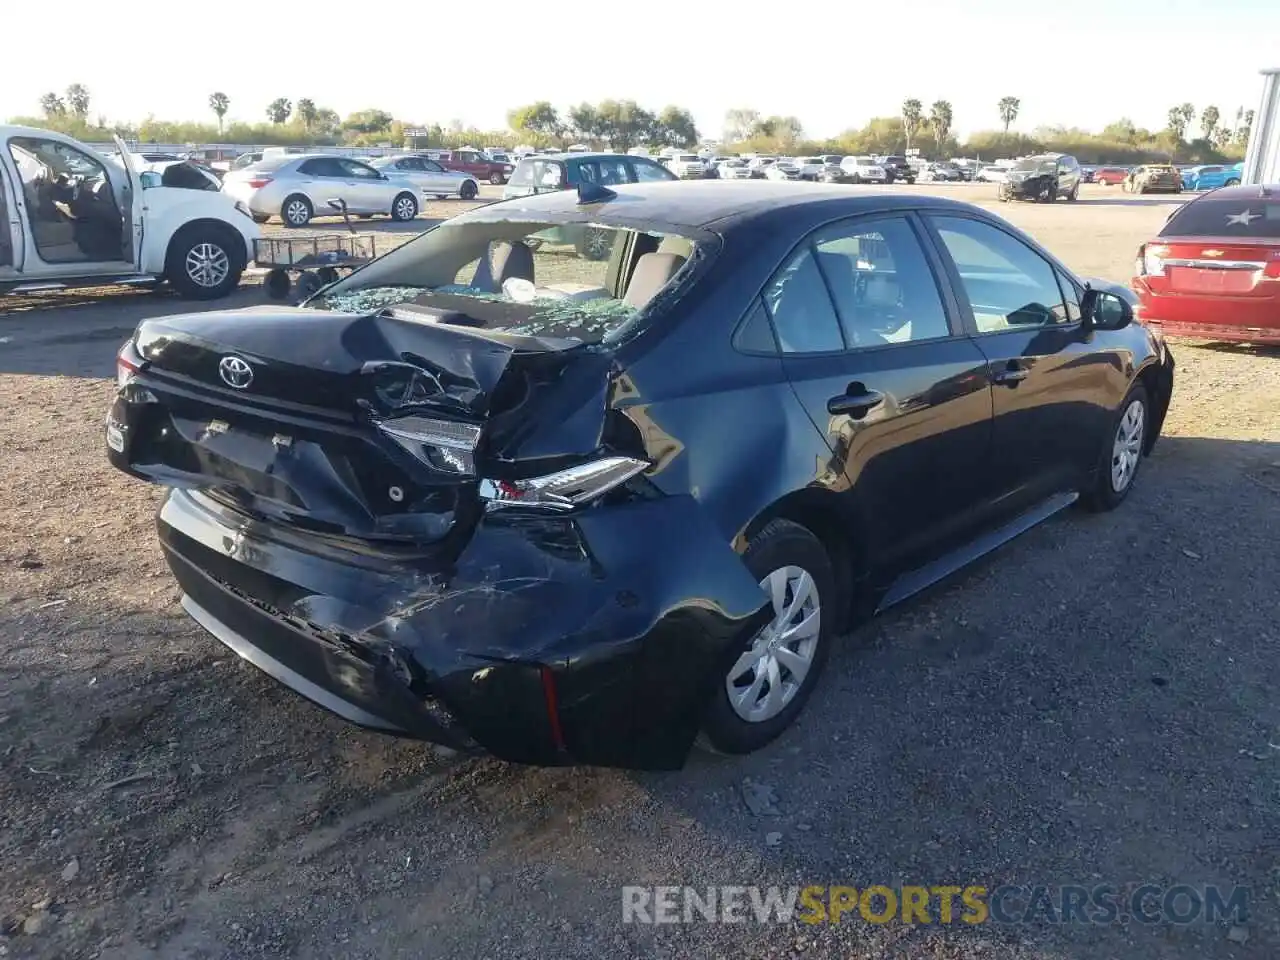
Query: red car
[(478, 164), (1214, 270), (1110, 176)]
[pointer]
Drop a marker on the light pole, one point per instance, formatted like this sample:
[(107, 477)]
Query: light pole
[(1262, 157)]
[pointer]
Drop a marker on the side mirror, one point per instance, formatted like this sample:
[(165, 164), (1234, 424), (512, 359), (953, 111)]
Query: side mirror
[(1105, 311)]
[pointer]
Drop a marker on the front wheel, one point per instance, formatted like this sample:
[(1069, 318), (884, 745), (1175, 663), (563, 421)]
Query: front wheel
[(1233, 182), (495, 179), (1122, 453), (404, 207), (468, 190), (767, 679), (1074, 195), (205, 262)]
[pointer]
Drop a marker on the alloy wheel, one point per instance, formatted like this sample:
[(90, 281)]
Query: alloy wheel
[(406, 208), (207, 264), (296, 213), (772, 669), (1126, 450)]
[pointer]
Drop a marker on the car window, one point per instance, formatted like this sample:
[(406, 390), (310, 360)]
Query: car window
[(1211, 216), (1070, 296), (647, 171), (354, 169), (609, 170), (804, 318), (881, 283), (1008, 285), (322, 167), (431, 166)]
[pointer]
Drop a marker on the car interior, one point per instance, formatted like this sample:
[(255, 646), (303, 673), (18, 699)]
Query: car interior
[(71, 205)]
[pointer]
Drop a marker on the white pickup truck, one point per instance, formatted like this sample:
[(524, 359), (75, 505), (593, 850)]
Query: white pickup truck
[(70, 217)]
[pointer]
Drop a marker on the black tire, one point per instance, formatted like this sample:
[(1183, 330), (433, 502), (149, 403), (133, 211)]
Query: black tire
[(261, 218), (308, 283), (296, 211), (1233, 182), (497, 179), (1050, 193), (780, 544), (1102, 494), (404, 207), (1074, 195), (327, 275), (468, 190), (205, 261)]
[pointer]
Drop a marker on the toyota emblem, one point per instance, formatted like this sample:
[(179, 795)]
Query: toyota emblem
[(235, 372)]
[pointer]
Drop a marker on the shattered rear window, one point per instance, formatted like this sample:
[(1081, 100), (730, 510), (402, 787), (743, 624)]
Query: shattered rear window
[(567, 281)]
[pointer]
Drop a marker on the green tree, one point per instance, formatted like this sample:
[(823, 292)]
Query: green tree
[(940, 117), (912, 110), (584, 122), (327, 122), (78, 100), (673, 126), (623, 123), (1008, 107), (368, 121), (219, 104), (740, 124), (540, 119), (1245, 128), (304, 111), (1177, 123), (1209, 122), (278, 110), (53, 106)]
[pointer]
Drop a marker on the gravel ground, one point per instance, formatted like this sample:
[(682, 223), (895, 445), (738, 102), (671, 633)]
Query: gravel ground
[(1095, 703)]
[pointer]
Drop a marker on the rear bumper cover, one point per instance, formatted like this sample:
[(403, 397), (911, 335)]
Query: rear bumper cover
[(594, 639)]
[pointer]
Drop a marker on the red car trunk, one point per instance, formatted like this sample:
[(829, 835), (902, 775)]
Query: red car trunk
[(1224, 284)]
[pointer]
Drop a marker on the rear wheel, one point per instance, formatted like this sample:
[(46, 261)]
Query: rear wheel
[(1233, 182), (404, 207), (767, 680), (205, 261), (595, 243), (495, 179), (260, 218), (468, 190), (296, 211), (1122, 453)]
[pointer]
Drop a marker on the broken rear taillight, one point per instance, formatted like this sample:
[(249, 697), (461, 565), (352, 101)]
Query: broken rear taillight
[(444, 445), (128, 362), (564, 489)]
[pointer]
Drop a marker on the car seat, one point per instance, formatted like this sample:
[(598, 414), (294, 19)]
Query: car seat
[(501, 262), (653, 272)]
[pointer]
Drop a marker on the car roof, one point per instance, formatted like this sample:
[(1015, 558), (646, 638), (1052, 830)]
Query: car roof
[(700, 203), (586, 155), (1252, 191)]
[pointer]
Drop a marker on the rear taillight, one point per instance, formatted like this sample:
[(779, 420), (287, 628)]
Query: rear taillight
[(128, 363), (259, 182), (1150, 260), (564, 489), (444, 445)]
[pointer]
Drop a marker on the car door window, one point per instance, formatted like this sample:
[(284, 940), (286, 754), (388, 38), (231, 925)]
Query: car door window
[(613, 171), (1070, 296), (409, 163), (358, 170), (804, 318), (647, 172), (1008, 285), (431, 166), (880, 280), (322, 167)]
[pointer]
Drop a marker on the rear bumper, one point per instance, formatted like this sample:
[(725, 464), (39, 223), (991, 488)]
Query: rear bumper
[(1214, 331), (1249, 319), (596, 639)]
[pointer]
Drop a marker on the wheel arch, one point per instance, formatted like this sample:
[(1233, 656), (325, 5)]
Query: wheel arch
[(1158, 383), (823, 513), (237, 243)]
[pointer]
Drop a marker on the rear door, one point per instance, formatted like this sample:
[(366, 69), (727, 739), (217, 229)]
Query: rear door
[(10, 223), (1050, 384), (875, 353)]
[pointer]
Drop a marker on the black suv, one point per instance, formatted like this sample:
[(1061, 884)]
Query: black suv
[(897, 168), (1045, 177)]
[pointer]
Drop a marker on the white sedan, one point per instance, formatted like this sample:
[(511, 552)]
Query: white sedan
[(431, 178)]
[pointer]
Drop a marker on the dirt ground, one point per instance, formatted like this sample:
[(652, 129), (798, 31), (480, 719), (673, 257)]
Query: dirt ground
[(1094, 703)]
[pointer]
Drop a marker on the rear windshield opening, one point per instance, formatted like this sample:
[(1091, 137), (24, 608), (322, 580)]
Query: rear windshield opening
[(565, 281), (1245, 218)]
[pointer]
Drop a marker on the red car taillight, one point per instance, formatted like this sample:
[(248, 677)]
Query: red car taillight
[(260, 182), (128, 362)]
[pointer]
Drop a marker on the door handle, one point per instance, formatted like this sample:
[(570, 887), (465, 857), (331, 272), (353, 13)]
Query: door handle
[(1011, 376), (856, 402)]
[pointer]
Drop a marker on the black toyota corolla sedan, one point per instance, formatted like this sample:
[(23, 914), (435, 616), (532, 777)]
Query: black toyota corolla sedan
[(496, 493)]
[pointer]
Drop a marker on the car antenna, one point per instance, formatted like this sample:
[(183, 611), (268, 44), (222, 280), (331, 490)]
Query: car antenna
[(589, 192)]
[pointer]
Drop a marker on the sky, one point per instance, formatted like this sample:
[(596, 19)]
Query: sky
[(1073, 64)]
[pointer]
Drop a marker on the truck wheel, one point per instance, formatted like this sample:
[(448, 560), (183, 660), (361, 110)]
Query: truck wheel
[(296, 211), (205, 261), (404, 207), (468, 190), (496, 179)]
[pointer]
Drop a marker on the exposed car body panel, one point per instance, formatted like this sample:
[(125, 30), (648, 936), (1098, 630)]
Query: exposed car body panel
[(551, 638)]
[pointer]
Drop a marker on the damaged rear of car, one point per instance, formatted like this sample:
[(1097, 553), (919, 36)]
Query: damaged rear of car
[(422, 500)]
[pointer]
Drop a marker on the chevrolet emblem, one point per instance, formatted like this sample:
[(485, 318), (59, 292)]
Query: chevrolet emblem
[(1211, 253)]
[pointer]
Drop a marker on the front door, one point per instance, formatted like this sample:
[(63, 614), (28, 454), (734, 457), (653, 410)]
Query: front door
[(885, 372), (70, 206), (367, 186), (1024, 315)]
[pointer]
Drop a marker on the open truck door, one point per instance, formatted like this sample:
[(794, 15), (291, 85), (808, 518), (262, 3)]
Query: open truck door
[(132, 205)]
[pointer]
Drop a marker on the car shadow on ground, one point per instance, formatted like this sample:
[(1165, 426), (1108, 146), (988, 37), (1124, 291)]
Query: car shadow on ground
[(1270, 351)]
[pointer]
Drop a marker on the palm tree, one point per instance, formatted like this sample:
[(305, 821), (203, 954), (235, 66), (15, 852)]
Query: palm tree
[(78, 99), (1209, 122), (278, 110), (306, 112), (1009, 107), (940, 118), (218, 103), (911, 111)]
